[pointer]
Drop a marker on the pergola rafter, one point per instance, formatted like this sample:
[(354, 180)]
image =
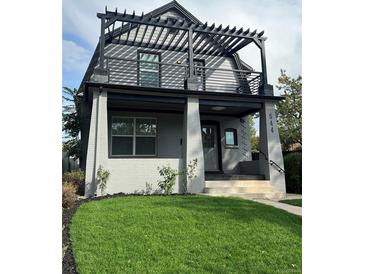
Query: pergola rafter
[(175, 34)]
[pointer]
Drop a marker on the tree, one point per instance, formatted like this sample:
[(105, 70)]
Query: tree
[(251, 127), (71, 121), (289, 110)]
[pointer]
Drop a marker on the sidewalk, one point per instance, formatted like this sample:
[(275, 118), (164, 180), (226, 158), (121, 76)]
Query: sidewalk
[(289, 208)]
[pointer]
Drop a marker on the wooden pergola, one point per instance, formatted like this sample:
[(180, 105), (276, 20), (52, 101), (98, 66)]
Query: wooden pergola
[(176, 35)]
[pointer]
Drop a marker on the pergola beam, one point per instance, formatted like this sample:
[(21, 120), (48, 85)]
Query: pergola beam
[(204, 39), (112, 16)]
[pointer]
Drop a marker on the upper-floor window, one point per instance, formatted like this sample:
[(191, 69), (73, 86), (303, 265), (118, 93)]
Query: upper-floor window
[(149, 69)]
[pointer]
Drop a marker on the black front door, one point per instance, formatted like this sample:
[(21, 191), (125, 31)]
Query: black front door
[(210, 147)]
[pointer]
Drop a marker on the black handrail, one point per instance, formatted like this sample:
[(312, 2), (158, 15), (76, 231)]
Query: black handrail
[(271, 162)]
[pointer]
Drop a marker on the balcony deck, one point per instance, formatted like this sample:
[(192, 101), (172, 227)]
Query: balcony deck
[(125, 71)]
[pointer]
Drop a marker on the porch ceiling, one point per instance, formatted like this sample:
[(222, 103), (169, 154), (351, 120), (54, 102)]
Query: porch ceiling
[(177, 104)]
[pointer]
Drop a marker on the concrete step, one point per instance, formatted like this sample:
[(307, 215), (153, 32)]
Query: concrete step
[(237, 183), (238, 190), (218, 177)]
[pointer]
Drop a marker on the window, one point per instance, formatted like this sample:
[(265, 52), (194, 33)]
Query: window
[(133, 136), (148, 69), (230, 135), (208, 135)]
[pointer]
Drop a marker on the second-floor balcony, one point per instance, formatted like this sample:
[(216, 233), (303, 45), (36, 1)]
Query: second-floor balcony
[(135, 72), (173, 53)]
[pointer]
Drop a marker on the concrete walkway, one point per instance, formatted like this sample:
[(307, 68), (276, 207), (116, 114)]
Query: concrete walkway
[(289, 208)]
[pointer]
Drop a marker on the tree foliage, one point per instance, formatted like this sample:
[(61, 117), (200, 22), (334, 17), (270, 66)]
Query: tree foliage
[(251, 127), (289, 110), (71, 121)]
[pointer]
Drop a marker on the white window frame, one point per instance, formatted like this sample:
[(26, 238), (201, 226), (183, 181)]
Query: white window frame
[(134, 136)]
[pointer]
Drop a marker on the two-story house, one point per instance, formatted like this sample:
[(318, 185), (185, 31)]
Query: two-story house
[(163, 88)]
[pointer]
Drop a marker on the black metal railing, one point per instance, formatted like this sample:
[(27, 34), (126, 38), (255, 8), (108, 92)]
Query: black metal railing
[(171, 75), (272, 163)]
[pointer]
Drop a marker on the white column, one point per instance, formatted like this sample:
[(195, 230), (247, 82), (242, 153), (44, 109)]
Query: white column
[(97, 150), (193, 146), (270, 145)]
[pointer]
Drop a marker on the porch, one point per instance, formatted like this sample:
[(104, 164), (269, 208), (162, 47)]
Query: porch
[(132, 133)]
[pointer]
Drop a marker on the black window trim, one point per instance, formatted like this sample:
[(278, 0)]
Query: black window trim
[(159, 65), (133, 155), (235, 138)]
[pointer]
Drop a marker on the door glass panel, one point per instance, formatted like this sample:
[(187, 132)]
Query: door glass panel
[(208, 137)]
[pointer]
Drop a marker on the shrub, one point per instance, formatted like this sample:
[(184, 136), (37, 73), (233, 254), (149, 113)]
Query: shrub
[(293, 172), (149, 188), (190, 173), (77, 177), (169, 179), (102, 176), (69, 196)]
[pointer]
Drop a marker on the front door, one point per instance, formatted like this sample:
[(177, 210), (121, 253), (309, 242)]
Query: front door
[(210, 147)]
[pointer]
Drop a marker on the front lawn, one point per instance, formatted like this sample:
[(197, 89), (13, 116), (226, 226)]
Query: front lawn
[(184, 234), (294, 202)]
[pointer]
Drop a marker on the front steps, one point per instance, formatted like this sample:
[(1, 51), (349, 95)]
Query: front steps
[(243, 186)]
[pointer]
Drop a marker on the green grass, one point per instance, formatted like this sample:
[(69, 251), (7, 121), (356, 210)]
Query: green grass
[(294, 202), (185, 234)]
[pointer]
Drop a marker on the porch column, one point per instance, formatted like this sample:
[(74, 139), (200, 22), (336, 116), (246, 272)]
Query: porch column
[(193, 146), (245, 139), (270, 146), (97, 150)]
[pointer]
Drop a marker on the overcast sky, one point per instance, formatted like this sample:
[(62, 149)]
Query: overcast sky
[(280, 19)]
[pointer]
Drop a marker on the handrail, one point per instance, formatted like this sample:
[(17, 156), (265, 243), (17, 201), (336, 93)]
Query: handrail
[(142, 61), (123, 70), (271, 162)]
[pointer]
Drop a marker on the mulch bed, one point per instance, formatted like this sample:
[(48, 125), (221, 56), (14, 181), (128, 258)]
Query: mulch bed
[(68, 261)]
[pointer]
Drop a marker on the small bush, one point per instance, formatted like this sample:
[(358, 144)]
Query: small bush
[(69, 196), (293, 172), (149, 188), (169, 179), (76, 177), (102, 176)]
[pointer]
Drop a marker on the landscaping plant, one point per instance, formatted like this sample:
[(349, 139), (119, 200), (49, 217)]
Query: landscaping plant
[(169, 179), (148, 188), (76, 177), (102, 176), (293, 172), (190, 173), (69, 196)]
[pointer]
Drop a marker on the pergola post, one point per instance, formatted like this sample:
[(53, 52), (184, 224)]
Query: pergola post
[(102, 43), (190, 52), (263, 62), (265, 89), (101, 73), (191, 81)]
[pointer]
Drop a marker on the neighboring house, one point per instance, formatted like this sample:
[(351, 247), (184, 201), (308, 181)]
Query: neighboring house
[(163, 88)]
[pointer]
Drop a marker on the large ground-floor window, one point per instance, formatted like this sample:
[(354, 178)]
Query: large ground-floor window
[(133, 136)]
